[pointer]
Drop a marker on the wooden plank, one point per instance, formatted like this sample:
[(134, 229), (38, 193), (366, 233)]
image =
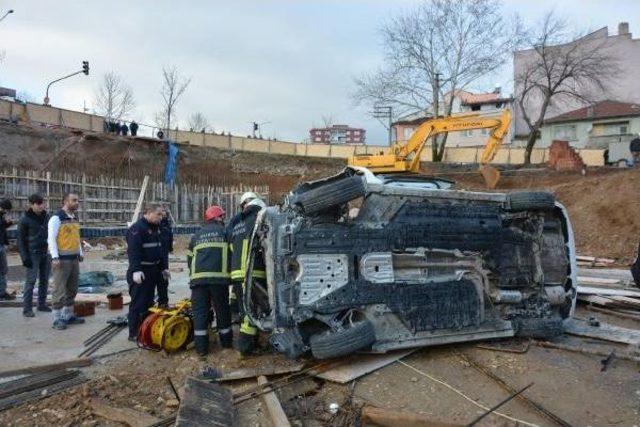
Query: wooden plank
[(244, 373), (583, 280), (358, 365), (127, 416), (596, 299), (75, 363), (380, 417), (605, 332), (608, 291), (100, 298), (270, 400), (138, 208)]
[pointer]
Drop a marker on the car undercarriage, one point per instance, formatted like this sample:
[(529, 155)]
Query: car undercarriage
[(362, 262)]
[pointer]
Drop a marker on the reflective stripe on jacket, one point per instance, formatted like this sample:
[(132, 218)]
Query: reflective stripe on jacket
[(208, 255), (240, 230)]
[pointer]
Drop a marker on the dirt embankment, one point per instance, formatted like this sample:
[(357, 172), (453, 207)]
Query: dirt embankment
[(36, 148)]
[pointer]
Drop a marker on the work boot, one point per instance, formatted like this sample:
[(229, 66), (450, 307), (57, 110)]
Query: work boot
[(246, 344), (28, 313), (201, 344), (44, 308), (74, 320), (59, 325), (226, 339)]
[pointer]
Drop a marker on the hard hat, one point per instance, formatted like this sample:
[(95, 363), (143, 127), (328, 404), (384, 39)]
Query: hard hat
[(257, 202), (213, 212), (248, 196)]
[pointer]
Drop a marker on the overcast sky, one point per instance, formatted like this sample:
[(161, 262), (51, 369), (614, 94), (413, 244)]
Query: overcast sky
[(286, 62)]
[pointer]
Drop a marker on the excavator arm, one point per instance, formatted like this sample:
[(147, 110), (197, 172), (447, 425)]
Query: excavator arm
[(406, 157)]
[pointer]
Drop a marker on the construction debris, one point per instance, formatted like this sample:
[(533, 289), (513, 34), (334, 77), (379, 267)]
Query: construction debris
[(604, 332), (246, 373), (126, 416), (38, 386), (103, 336), (270, 400), (205, 403), (32, 370), (379, 417), (358, 365)]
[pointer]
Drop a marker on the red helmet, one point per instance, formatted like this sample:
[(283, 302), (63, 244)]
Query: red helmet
[(213, 212)]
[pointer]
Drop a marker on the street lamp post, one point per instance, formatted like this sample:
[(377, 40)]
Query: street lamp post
[(85, 70), (6, 14)]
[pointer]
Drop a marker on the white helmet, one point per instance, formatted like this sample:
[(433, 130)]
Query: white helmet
[(257, 202), (248, 196)]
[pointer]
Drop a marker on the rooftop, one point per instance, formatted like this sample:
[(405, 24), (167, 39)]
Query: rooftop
[(599, 110)]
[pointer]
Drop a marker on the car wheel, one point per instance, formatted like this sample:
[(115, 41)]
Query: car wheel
[(530, 200), (352, 338), (539, 328), (329, 195)]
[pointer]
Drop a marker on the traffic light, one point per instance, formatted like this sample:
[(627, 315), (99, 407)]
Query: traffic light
[(85, 67)]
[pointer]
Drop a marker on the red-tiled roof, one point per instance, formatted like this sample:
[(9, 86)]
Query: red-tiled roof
[(599, 110)]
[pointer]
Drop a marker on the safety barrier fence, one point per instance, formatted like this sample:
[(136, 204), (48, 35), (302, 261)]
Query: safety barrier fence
[(56, 117), (106, 201)]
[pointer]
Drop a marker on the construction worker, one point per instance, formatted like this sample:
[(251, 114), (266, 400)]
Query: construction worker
[(5, 206), (239, 236), (244, 199), (63, 239), (207, 259), (166, 234), (147, 264), (32, 243)]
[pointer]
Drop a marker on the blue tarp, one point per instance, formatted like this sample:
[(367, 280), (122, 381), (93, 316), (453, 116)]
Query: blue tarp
[(171, 168)]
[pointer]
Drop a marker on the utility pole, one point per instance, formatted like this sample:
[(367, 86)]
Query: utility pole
[(85, 70), (385, 112)]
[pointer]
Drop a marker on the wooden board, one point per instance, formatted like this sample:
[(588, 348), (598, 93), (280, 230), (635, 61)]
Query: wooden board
[(270, 400), (584, 280), (205, 403), (245, 373), (358, 365), (608, 291), (605, 332), (376, 417), (127, 416)]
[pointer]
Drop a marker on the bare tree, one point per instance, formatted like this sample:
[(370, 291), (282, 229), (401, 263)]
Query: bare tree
[(435, 49), (114, 98), (173, 86), (561, 68), (327, 120), (198, 122)]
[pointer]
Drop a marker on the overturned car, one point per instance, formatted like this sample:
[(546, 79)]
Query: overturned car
[(363, 262)]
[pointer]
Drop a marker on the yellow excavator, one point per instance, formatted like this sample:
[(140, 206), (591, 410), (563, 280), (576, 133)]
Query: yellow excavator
[(405, 157)]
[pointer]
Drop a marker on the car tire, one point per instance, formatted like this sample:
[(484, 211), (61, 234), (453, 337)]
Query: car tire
[(329, 195), (530, 200), (539, 328), (330, 344)]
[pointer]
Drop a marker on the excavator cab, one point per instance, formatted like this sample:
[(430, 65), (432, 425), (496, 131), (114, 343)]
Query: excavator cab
[(406, 157)]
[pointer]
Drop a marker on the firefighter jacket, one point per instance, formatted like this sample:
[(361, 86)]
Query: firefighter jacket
[(144, 247), (208, 256), (239, 230)]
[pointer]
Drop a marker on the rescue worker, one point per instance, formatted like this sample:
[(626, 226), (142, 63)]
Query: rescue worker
[(244, 199), (63, 240), (147, 264), (166, 234), (207, 259), (239, 236)]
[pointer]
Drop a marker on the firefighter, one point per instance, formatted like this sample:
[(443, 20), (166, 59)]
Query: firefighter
[(244, 199), (207, 259), (147, 264), (239, 236)]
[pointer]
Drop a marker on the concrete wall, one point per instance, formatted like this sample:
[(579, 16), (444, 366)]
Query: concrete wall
[(58, 117)]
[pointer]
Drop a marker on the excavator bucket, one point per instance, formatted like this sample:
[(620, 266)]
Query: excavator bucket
[(491, 176)]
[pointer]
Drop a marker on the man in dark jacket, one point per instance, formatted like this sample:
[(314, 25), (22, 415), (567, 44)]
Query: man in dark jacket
[(635, 269), (147, 264), (32, 242), (239, 234), (207, 259), (166, 234), (124, 129), (5, 207), (133, 128)]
